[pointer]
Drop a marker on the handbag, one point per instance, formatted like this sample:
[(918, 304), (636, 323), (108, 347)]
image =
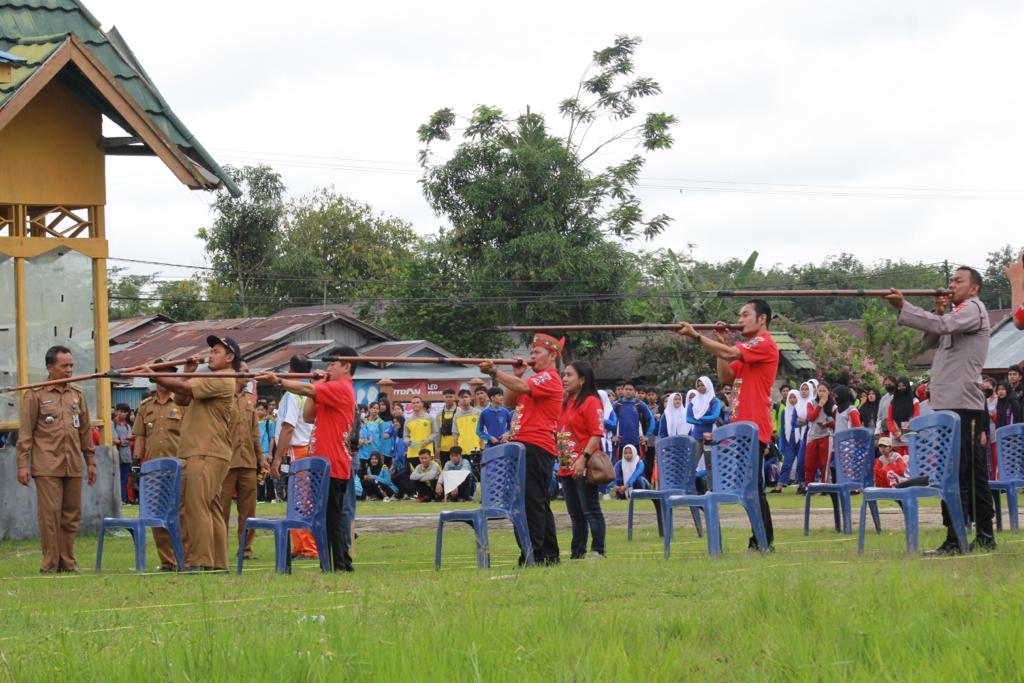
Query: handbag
[(599, 469)]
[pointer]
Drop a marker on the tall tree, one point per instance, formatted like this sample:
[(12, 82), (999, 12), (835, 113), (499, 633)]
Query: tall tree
[(182, 300), (530, 222), (334, 248), (246, 231), (996, 291)]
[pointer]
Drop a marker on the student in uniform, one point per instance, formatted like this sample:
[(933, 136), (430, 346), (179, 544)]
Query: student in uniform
[(157, 432), (205, 450), (446, 424), (420, 428), (54, 437)]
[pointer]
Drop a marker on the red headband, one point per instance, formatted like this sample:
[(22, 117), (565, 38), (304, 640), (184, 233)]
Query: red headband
[(546, 341)]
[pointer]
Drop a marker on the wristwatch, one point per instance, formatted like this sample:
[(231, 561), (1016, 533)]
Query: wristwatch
[(586, 456)]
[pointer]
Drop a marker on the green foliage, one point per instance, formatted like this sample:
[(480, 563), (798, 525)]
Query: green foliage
[(334, 248), (183, 299), (530, 222), (246, 230), (996, 291), (126, 294), (890, 346)]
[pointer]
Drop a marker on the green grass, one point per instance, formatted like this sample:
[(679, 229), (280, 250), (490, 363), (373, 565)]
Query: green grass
[(811, 611)]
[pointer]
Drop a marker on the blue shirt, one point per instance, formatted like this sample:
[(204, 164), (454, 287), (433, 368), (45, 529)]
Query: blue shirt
[(492, 424), (374, 431)]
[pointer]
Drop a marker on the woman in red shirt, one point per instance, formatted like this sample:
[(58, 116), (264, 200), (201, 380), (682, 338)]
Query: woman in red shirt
[(580, 428)]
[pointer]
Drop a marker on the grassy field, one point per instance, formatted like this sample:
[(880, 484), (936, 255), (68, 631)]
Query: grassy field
[(811, 611)]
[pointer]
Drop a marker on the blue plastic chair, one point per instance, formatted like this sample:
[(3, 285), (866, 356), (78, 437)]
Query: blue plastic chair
[(159, 507), (503, 480), (677, 461), (1010, 448), (855, 465), (308, 484), (735, 464), (934, 453)]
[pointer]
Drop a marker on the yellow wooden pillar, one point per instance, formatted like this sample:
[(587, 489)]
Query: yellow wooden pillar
[(101, 336)]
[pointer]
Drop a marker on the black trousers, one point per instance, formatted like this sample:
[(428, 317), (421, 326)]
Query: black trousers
[(762, 498), (975, 495), (539, 519), (340, 559)]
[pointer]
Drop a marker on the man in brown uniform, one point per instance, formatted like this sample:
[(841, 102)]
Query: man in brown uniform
[(246, 459), (205, 450), (54, 435), (157, 433)]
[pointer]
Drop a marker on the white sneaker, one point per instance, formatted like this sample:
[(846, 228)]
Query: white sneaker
[(386, 500), (594, 555)]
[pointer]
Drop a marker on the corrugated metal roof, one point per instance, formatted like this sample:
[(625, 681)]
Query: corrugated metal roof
[(279, 358), (178, 340), (33, 29), (791, 351), (1005, 346), (128, 330), (8, 57)]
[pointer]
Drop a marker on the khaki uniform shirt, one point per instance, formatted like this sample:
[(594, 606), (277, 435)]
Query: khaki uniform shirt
[(960, 338), (54, 432), (160, 425), (206, 429), (246, 446)]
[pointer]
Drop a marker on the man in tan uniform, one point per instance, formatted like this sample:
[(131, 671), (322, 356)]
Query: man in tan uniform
[(205, 450), (157, 433), (246, 459), (53, 437)]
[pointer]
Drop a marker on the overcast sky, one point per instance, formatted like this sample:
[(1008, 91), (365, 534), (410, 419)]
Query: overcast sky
[(885, 129)]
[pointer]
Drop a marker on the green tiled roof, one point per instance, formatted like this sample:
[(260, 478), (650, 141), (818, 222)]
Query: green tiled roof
[(791, 351), (33, 29)]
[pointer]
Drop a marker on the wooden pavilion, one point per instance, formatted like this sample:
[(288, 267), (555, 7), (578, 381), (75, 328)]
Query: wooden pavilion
[(60, 76)]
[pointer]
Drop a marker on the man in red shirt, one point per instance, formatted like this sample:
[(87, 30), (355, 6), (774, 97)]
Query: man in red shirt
[(334, 409), (537, 402), (752, 365)]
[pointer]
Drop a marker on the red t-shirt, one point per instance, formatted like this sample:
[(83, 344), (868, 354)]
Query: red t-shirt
[(536, 414), (756, 370), (577, 425), (335, 414)]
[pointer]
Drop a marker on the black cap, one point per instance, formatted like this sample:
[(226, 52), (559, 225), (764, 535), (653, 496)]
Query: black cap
[(228, 343)]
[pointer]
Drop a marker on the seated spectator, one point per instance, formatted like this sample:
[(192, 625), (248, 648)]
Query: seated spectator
[(377, 479), (629, 473), (399, 464), (891, 466), (467, 488), (425, 476)]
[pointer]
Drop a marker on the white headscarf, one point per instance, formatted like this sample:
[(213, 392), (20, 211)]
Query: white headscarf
[(675, 418), (629, 466), (801, 404), (787, 415), (702, 401)]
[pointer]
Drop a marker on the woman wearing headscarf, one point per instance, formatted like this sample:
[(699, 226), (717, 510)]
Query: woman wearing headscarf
[(869, 408), (820, 421), (1008, 408), (673, 417), (703, 410), (808, 391), (377, 479), (629, 473), (791, 438), (902, 409)]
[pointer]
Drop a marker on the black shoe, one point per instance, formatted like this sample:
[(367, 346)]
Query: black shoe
[(948, 548), (801, 489), (983, 543), (167, 568)]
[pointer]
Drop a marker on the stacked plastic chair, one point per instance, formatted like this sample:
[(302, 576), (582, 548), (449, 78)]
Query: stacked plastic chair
[(503, 481), (735, 464), (308, 484), (1010, 449), (855, 463), (935, 454), (677, 462), (159, 503)]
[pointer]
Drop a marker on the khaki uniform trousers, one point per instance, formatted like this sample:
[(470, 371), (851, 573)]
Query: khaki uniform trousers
[(59, 511), (242, 480), (207, 538)]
